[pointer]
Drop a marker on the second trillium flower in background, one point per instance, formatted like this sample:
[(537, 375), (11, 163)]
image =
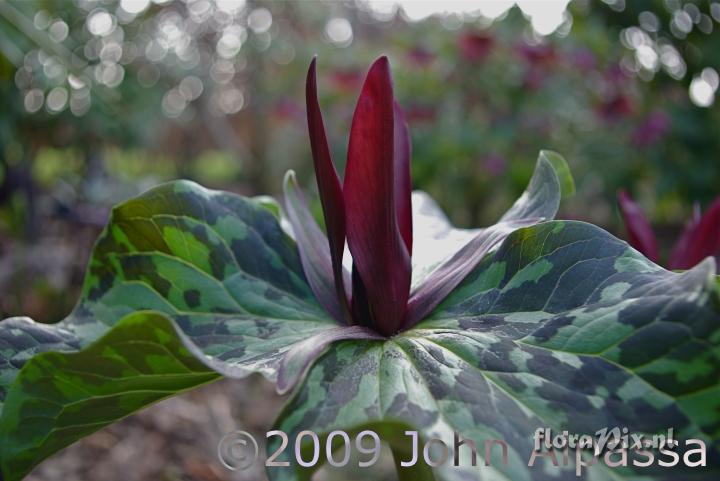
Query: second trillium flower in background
[(699, 239)]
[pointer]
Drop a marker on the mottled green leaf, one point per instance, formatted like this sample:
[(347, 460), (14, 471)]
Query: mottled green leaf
[(217, 265), (60, 397), (560, 326), (564, 327)]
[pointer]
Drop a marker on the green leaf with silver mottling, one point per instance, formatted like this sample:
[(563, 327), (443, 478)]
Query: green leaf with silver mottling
[(60, 397), (217, 265), (564, 327)]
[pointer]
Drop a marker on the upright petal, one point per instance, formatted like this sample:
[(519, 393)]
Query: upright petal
[(359, 306), (331, 194), (700, 239), (640, 234), (379, 252), (403, 180)]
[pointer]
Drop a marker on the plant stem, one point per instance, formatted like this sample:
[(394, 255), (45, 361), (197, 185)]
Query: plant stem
[(419, 472)]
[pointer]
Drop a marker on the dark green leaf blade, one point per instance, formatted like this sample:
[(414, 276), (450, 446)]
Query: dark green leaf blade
[(564, 327), (217, 265), (61, 397)]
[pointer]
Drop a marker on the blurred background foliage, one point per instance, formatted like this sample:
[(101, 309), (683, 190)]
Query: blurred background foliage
[(103, 99)]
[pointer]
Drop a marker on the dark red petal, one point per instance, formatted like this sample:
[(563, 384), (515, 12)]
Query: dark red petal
[(403, 180), (640, 234), (700, 239), (359, 304), (379, 252), (314, 250), (331, 194)]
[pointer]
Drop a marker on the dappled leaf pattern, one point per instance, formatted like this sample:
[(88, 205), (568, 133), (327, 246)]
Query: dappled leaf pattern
[(563, 327), (217, 265)]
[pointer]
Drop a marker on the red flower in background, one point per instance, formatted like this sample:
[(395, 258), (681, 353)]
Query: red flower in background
[(534, 78), (421, 56), (615, 108), (700, 238), (543, 54), (615, 77), (287, 110), (348, 80), (652, 129), (421, 113), (538, 59), (615, 104), (475, 47), (583, 59), (495, 164)]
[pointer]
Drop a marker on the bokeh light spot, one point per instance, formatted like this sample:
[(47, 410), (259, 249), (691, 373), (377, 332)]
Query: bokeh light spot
[(100, 23), (339, 32), (260, 20), (34, 100), (57, 99)]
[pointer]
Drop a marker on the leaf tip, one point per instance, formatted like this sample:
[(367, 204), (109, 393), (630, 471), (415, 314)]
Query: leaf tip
[(290, 178), (562, 171)]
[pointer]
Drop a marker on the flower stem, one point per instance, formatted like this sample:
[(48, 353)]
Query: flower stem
[(419, 472)]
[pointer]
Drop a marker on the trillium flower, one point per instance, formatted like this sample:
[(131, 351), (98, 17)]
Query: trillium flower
[(699, 239), (652, 129), (371, 211), (560, 324), (543, 54), (615, 108), (475, 47)]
